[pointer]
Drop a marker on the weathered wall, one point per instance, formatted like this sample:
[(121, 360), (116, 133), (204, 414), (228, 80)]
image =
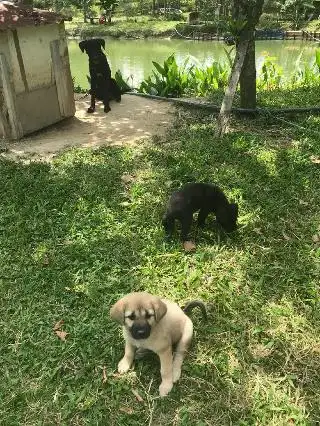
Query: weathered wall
[(38, 109), (29, 56), (34, 45)]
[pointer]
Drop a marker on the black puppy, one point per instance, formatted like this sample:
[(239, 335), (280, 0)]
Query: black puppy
[(103, 87), (199, 196)]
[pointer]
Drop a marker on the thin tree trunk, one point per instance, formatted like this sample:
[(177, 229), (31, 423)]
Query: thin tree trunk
[(224, 115)]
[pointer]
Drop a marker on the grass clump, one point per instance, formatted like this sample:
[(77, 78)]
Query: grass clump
[(78, 233)]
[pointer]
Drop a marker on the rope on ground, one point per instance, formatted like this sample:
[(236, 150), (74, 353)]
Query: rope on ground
[(212, 107), (269, 112), (292, 124)]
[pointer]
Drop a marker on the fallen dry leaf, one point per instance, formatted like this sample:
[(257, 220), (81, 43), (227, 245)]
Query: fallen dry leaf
[(58, 325), (189, 246), (303, 203), (61, 334), (257, 231), (45, 260), (315, 160), (285, 236), (126, 178), (316, 238), (137, 395), (104, 374), (126, 410)]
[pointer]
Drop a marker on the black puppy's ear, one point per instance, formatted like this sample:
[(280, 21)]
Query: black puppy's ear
[(102, 42), (82, 45)]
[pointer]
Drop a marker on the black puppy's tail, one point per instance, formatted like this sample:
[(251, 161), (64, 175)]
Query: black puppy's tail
[(194, 304)]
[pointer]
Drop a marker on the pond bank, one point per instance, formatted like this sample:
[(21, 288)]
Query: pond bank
[(140, 29), (123, 29)]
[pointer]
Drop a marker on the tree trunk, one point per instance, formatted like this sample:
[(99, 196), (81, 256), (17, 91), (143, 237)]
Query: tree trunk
[(252, 13), (244, 68), (225, 111), (248, 92)]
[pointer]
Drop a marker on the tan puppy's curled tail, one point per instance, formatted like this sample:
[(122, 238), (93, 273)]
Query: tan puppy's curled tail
[(195, 304)]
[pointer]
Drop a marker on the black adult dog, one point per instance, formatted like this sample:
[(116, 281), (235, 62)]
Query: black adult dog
[(204, 197), (103, 86)]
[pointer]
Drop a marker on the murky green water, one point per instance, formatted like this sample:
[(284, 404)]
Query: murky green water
[(134, 57)]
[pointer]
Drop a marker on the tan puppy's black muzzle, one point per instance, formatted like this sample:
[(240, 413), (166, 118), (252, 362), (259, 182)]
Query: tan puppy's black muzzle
[(140, 330)]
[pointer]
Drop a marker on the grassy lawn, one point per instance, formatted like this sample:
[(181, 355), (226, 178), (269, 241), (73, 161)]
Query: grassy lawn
[(297, 97), (122, 28), (78, 233)]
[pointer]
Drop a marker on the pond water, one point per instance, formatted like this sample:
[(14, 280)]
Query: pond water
[(134, 57)]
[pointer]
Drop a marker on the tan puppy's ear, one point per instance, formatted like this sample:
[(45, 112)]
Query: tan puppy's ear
[(117, 311), (160, 309)]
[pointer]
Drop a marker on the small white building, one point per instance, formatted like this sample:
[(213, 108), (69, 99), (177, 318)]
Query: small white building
[(36, 87)]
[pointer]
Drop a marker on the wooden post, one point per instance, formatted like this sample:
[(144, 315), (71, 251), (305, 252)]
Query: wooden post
[(10, 102), (61, 71), (4, 125)]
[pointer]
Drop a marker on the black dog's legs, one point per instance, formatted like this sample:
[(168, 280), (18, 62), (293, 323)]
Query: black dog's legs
[(106, 105), (92, 107), (186, 222), (202, 216), (107, 94), (168, 224)]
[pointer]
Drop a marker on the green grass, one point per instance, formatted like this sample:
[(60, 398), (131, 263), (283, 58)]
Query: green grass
[(123, 28), (304, 96), (75, 236)]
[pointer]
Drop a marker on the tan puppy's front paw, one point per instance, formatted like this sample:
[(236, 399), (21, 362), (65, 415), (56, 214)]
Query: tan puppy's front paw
[(176, 374), (165, 388), (124, 365)]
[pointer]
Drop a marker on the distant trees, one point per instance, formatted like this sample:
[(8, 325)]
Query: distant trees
[(108, 7), (296, 11)]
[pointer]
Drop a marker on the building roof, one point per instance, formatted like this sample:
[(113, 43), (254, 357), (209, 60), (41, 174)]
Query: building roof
[(12, 16)]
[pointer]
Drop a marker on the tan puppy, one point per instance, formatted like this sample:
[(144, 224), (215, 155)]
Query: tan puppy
[(155, 324)]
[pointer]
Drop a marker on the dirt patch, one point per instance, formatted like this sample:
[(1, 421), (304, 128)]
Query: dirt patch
[(131, 120)]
